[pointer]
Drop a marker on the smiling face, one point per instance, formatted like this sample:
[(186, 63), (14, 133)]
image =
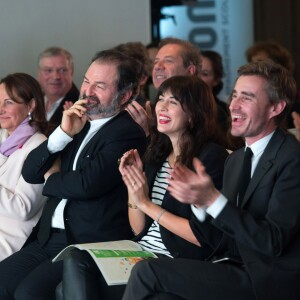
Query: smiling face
[(99, 87), (252, 113), (12, 114), (172, 120), (168, 62), (55, 76)]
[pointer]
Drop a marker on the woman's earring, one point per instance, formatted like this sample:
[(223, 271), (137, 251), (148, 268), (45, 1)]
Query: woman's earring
[(29, 116)]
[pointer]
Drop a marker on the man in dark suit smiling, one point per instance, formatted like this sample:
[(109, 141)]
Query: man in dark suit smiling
[(79, 165), (258, 257)]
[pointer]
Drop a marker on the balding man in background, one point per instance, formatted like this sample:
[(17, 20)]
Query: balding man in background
[(55, 75)]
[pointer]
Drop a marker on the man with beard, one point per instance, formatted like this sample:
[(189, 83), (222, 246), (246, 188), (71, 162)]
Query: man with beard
[(79, 166)]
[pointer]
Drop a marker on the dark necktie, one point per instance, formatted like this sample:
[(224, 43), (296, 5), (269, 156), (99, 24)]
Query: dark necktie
[(245, 175)]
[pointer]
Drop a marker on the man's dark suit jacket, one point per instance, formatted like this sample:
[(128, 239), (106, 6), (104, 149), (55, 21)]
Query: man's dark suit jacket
[(72, 95), (266, 227), (97, 197), (213, 157)]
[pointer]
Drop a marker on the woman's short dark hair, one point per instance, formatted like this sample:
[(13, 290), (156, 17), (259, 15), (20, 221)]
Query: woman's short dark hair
[(275, 51), (197, 101), (22, 87)]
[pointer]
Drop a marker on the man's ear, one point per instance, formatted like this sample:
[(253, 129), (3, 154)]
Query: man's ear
[(277, 108), (191, 69), (126, 96)]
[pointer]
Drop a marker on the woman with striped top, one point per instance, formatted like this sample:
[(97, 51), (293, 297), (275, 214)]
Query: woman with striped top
[(184, 127)]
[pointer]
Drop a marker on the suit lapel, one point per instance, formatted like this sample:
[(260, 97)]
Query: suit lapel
[(265, 163)]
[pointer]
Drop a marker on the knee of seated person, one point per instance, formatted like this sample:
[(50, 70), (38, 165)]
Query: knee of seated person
[(140, 267), (59, 292), (22, 294), (75, 258), (164, 296), (4, 293)]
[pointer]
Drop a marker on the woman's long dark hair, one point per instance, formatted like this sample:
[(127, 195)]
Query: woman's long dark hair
[(22, 87), (197, 101)]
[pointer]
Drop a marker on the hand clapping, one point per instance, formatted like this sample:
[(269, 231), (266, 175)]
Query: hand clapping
[(192, 187), (131, 168), (141, 115)]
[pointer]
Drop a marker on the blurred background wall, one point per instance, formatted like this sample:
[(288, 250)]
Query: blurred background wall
[(27, 27), (279, 20)]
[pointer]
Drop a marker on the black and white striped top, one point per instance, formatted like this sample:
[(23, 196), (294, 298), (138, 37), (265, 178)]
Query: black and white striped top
[(152, 240)]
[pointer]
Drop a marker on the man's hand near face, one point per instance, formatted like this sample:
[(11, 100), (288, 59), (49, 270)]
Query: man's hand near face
[(74, 118)]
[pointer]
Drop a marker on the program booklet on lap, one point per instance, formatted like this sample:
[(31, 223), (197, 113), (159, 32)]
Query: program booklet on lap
[(114, 259)]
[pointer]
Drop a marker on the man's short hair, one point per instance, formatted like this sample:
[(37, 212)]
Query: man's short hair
[(128, 69), (57, 51), (190, 53), (280, 83)]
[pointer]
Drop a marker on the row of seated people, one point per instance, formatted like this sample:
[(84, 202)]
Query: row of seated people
[(84, 151), (55, 78)]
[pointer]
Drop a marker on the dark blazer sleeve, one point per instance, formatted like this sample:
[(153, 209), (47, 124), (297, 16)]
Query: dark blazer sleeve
[(37, 163), (213, 158), (268, 220), (97, 171)]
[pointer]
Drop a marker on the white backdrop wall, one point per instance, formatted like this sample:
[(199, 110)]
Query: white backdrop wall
[(27, 27)]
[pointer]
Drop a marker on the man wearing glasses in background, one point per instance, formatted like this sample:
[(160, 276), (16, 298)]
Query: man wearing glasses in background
[(55, 75)]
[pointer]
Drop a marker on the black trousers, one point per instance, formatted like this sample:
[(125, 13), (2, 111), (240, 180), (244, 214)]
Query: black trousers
[(187, 279), (30, 273), (82, 280)]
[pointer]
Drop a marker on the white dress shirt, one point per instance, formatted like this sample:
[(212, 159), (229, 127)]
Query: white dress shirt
[(57, 141), (53, 107)]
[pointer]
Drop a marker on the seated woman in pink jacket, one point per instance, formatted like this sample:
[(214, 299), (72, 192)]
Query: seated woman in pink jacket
[(22, 128)]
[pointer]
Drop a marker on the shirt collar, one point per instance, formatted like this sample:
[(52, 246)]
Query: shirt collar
[(259, 146), (53, 107)]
